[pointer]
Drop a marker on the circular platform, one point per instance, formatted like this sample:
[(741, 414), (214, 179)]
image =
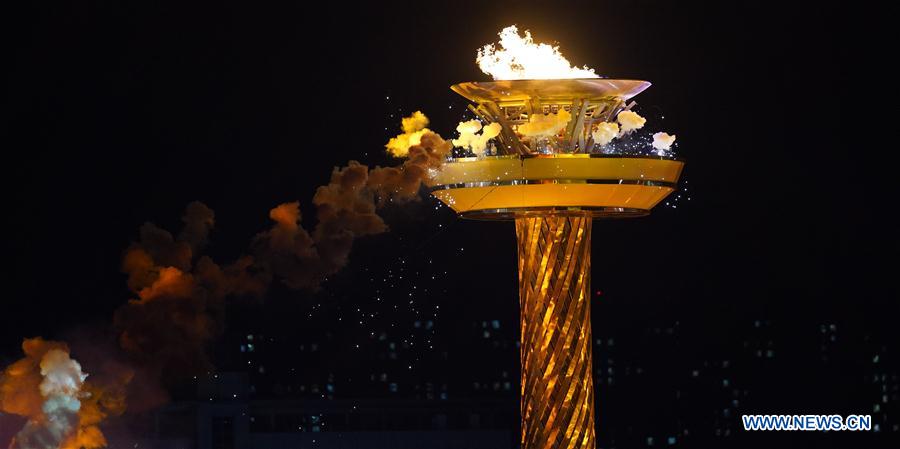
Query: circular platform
[(564, 90), (603, 186)]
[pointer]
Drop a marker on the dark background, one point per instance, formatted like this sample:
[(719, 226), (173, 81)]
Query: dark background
[(118, 113)]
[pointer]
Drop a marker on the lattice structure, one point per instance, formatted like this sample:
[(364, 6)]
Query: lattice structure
[(554, 285), (512, 103)]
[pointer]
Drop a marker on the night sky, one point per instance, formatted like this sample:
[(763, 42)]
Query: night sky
[(120, 113)]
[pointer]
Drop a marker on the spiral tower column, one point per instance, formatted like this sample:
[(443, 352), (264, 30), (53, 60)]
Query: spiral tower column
[(557, 403)]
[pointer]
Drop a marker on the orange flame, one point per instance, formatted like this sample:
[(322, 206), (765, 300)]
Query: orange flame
[(519, 57)]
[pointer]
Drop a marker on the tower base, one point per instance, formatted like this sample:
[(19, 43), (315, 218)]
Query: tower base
[(557, 402)]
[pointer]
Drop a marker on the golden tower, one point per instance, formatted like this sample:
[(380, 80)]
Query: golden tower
[(553, 186)]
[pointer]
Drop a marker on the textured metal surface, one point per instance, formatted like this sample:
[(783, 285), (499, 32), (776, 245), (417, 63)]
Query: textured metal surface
[(523, 182), (513, 103), (554, 284), (474, 187), (594, 212), (510, 91), (559, 166)]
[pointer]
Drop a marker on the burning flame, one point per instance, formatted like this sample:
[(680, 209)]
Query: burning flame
[(521, 58)]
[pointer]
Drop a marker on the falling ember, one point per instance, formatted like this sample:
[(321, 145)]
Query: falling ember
[(519, 58)]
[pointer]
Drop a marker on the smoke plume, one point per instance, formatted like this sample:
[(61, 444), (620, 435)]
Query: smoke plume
[(471, 139), (178, 306), (346, 208), (605, 132), (630, 121), (180, 297), (545, 125), (49, 388), (413, 127), (663, 141)]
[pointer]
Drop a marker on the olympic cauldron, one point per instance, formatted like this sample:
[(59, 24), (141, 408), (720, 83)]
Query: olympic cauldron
[(553, 187)]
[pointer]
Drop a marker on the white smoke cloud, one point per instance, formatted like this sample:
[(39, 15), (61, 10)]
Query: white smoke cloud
[(471, 139), (630, 121), (663, 141), (413, 127), (545, 125), (605, 133), (60, 387)]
